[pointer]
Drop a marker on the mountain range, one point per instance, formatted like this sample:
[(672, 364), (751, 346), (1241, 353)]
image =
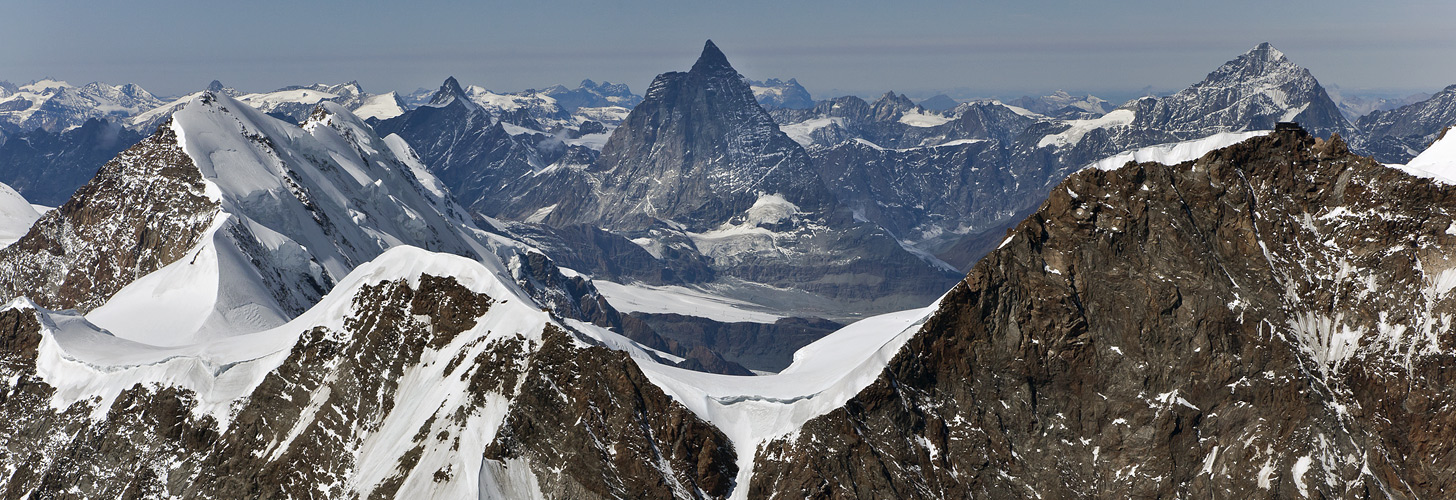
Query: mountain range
[(589, 294)]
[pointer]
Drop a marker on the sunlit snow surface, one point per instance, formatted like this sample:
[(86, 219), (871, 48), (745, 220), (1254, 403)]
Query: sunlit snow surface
[(1179, 152), (81, 359), (16, 215), (382, 106), (1437, 162), (1080, 128)]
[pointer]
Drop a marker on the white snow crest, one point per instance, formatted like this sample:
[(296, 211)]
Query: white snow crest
[(752, 410), (1178, 152), (1079, 128), (1437, 162), (16, 216)]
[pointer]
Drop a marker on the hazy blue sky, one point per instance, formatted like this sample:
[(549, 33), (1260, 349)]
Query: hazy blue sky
[(987, 47)]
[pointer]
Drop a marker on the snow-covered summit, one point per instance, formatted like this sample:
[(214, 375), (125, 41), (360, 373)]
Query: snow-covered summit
[(299, 208)]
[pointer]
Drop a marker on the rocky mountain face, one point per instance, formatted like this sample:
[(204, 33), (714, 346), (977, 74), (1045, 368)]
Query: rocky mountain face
[(473, 153), (1251, 92), (1397, 135), (700, 167), (1061, 104), (426, 377), (697, 150), (590, 94), (144, 209), (696, 185), (1268, 321), (55, 105), (892, 160), (776, 93), (47, 167)]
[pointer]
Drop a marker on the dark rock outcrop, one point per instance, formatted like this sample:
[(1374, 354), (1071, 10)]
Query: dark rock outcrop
[(756, 346), (141, 211), (307, 427), (1262, 322)]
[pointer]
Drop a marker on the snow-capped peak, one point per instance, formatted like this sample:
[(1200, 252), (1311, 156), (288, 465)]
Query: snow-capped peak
[(300, 208), (450, 92)]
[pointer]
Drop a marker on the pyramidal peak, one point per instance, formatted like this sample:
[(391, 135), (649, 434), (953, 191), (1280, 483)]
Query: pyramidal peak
[(448, 93), (711, 60), (1266, 52)]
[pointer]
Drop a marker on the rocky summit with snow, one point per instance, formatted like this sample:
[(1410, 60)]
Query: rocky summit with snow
[(722, 289)]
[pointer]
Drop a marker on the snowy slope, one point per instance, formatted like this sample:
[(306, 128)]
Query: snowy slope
[(637, 297), (301, 206), (382, 106), (1437, 162), (86, 360), (16, 215), (87, 364), (293, 102)]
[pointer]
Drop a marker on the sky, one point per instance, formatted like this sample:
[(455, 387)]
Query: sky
[(968, 48)]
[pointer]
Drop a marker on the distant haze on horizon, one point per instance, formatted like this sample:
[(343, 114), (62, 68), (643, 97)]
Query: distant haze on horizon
[(970, 49)]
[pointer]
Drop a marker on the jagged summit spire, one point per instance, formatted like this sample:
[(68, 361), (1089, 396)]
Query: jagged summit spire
[(215, 86), (447, 93), (712, 59)]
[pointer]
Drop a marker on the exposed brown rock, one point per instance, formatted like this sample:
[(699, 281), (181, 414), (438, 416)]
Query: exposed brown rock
[(590, 415), (142, 211), (1160, 331)]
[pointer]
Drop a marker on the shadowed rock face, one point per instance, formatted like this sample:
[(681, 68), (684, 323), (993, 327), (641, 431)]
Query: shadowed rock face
[(47, 167), (141, 211), (1270, 321), (604, 430)]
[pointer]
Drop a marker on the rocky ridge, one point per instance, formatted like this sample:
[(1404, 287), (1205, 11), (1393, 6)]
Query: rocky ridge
[(426, 377), (1267, 321)]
